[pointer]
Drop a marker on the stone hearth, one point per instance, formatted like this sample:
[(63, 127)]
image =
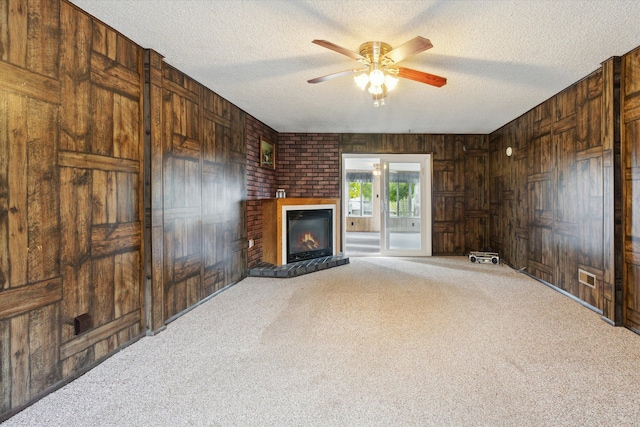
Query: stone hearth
[(265, 269)]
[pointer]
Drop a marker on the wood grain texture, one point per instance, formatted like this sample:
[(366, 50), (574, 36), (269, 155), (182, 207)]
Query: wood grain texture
[(20, 373), (4, 195), (17, 191), (547, 198), (203, 158), (630, 166), (5, 366), (153, 194), (70, 137), (26, 298), (94, 336)]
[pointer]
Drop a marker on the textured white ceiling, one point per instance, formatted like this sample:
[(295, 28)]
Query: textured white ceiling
[(501, 58)]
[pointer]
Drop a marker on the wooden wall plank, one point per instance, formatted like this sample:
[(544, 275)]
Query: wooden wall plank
[(126, 119), (81, 342), (104, 40), (20, 300), (75, 68), (115, 77), (105, 200), (4, 194), (17, 174), (75, 220), (26, 83), (20, 373), (630, 165), (77, 361), (101, 135), (154, 194), (115, 238), (43, 191), (17, 32), (5, 366), (4, 32), (44, 347), (43, 37), (98, 162), (102, 302), (216, 118), (126, 281)]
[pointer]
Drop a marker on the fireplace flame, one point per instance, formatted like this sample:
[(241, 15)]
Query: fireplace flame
[(308, 242)]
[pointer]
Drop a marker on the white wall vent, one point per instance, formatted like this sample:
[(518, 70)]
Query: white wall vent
[(586, 278)]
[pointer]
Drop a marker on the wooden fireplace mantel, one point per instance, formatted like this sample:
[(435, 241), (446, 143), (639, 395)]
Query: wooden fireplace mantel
[(272, 224)]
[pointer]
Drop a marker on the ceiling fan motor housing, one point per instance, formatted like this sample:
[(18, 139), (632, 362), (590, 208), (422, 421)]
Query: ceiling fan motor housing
[(374, 52)]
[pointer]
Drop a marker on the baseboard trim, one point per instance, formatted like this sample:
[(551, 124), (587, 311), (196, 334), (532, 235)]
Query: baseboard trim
[(609, 321), (199, 303), (565, 293)]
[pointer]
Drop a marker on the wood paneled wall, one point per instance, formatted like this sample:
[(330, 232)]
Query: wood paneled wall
[(122, 194), (547, 202), (460, 183), (201, 137), (631, 186), (70, 206)]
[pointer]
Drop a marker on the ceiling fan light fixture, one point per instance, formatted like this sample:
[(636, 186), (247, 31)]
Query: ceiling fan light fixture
[(375, 89), (390, 82), (362, 80), (376, 77), (383, 72)]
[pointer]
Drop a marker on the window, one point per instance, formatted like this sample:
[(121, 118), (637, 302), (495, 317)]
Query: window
[(404, 194), (360, 186)]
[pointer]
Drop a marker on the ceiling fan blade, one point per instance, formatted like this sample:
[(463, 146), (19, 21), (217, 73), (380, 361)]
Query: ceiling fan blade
[(419, 76), (335, 75), (415, 45), (339, 49)]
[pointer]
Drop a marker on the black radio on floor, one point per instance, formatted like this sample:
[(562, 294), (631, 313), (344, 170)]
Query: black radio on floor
[(484, 257)]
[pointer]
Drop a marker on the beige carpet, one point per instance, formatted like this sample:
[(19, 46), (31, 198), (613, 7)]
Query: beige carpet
[(378, 342)]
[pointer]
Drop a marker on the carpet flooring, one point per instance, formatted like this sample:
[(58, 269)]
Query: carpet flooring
[(377, 342)]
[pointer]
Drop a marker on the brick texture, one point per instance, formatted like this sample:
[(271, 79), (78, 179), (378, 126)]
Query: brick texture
[(309, 164), (261, 183)]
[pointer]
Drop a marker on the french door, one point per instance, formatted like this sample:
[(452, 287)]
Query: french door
[(405, 226), (387, 204)]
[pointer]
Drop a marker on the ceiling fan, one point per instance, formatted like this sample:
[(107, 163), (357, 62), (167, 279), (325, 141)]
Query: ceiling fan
[(381, 71)]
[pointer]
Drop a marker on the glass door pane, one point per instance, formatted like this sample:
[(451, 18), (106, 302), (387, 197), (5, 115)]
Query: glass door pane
[(403, 214)]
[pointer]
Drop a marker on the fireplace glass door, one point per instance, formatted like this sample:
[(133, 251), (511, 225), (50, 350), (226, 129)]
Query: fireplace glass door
[(309, 234)]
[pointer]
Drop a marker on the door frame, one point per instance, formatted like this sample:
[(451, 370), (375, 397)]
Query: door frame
[(425, 161), (426, 183)]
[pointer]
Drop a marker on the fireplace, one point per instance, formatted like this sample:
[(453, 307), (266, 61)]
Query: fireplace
[(309, 234), (275, 234)]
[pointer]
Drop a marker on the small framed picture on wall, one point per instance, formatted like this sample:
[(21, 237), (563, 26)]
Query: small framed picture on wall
[(267, 154)]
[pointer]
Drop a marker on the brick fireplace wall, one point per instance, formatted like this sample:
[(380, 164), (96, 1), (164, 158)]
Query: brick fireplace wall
[(309, 164), (261, 183)]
